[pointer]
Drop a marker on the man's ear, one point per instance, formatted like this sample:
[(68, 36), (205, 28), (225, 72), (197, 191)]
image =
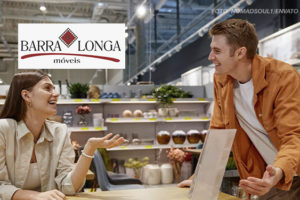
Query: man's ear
[(241, 52), (26, 95)]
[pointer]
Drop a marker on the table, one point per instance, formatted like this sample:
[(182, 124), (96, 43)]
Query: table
[(167, 193)]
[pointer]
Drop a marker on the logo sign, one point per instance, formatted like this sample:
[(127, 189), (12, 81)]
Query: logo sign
[(71, 46)]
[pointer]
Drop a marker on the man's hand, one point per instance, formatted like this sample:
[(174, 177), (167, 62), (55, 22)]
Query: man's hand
[(185, 183), (256, 186)]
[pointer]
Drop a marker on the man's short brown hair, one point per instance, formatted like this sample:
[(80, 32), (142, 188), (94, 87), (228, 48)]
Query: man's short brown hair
[(239, 33)]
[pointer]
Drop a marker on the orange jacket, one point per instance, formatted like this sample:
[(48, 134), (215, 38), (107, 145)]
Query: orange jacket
[(277, 106)]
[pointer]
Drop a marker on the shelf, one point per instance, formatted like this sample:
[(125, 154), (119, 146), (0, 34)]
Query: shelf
[(153, 101), (151, 147), (79, 101), (125, 101), (156, 120), (87, 129)]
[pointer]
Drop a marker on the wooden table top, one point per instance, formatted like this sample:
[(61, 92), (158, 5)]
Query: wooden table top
[(167, 193)]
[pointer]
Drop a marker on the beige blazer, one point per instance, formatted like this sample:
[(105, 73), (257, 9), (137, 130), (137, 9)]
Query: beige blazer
[(54, 154)]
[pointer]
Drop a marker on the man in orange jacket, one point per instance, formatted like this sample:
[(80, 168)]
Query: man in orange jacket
[(260, 97)]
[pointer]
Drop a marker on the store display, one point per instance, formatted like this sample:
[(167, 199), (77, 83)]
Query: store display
[(98, 120), (163, 137), (110, 95), (147, 141), (151, 174), (165, 94), (203, 135), (193, 136), (187, 113), (173, 112), (135, 139), (138, 113), (178, 136), (78, 90), (150, 114), (176, 158), (94, 92), (127, 113), (83, 110), (68, 118), (163, 112), (166, 172), (136, 165)]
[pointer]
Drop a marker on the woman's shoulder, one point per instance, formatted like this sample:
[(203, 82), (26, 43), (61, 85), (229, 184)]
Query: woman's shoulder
[(7, 127), (7, 123), (56, 127)]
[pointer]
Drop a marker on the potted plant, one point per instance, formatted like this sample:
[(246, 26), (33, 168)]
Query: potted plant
[(79, 90), (164, 96)]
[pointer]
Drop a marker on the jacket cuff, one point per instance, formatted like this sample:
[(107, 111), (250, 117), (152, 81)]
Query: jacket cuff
[(8, 191), (67, 185), (288, 174)]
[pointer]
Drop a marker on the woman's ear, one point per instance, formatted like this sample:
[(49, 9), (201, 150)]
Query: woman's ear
[(26, 95)]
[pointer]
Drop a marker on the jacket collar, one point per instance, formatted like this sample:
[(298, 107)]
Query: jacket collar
[(46, 133), (258, 75)]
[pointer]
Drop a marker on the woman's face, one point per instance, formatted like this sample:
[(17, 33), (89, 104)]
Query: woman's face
[(43, 98)]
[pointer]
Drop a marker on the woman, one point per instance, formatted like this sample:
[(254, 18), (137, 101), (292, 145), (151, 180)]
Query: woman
[(36, 156)]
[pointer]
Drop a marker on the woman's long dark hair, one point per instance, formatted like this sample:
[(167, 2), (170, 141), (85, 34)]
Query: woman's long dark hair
[(15, 106)]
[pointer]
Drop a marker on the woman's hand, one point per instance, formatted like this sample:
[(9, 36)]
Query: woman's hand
[(49, 195), (104, 142)]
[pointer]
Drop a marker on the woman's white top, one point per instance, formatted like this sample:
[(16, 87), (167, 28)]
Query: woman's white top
[(33, 180)]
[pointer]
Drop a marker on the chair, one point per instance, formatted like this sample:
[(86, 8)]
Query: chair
[(114, 182)]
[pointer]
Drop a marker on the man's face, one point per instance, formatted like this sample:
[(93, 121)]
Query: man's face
[(221, 55)]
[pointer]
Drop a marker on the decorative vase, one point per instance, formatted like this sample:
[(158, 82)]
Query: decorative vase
[(82, 121), (163, 112), (173, 112)]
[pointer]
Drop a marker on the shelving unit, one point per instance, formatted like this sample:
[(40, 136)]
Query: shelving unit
[(87, 129), (156, 120), (142, 128), (151, 147)]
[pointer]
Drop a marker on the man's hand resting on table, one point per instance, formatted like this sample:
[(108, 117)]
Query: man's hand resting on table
[(256, 186), (185, 183)]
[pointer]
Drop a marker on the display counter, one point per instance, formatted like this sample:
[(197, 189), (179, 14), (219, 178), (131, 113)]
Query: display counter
[(166, 193)]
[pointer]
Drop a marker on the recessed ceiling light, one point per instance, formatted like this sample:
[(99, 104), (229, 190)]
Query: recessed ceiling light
[(100, 4), (43, 8), (141, 11)]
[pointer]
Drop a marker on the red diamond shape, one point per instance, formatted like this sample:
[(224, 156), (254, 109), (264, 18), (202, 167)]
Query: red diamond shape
[(68, 37)]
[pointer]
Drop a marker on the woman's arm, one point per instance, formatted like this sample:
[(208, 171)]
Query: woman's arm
[(83, 164), (33, 195)]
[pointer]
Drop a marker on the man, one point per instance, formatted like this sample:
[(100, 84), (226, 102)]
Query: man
[(260, 97)]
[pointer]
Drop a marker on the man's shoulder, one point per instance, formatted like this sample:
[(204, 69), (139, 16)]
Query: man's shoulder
[(273, 65)]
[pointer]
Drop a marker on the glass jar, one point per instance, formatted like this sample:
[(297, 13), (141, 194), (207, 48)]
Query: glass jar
[(193, 136), (178, 136), (163, 137)]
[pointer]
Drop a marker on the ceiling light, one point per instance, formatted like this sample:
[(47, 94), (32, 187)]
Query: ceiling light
[(43, 8), (141, 11), (100, 4)]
